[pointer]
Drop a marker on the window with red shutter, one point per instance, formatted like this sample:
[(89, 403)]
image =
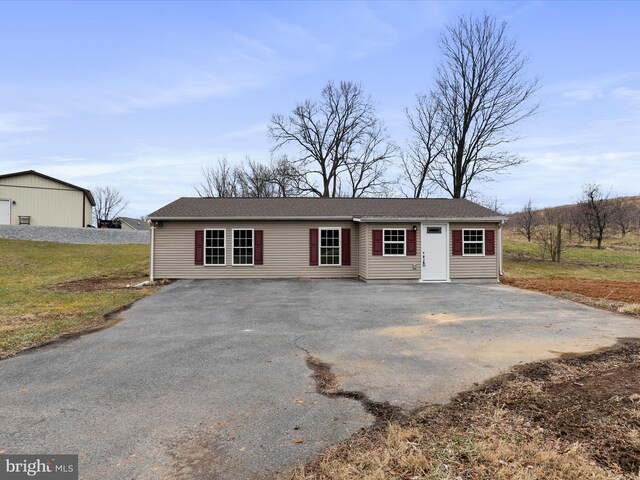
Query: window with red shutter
[(313, 246), (411, 242), (346, 246), (258, 249), (456, 242), (489, 242), (376, 236), (199, 248)]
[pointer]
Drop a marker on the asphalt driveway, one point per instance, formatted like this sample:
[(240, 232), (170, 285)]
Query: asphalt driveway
[(212, 379)]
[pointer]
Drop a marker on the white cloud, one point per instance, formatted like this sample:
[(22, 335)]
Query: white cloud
[(584, 94), (625, 93), (591, 88), (125, 97), (248, 131), (148, 178), (19, 123), (556, 177)]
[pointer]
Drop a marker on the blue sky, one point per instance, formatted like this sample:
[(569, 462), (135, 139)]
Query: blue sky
[(142, 95)]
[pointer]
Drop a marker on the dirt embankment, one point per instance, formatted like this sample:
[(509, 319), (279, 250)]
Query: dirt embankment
[(627, 292), (94, 284)]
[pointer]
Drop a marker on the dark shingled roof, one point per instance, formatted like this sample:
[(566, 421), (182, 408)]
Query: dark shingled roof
[(210, 208)]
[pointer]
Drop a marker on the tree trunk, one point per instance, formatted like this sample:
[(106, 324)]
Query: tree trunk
[(558, 240)]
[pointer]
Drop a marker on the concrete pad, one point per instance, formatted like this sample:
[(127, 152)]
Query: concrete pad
[(208, 378)]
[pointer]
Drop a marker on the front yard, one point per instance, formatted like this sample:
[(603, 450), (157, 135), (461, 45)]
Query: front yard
[(48, 290), (562, 419), (570, 418)]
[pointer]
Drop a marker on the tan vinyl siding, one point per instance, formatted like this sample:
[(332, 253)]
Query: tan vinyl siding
[(285, 247), (362, 250), (391, 267), (467, 267), (48, 203)]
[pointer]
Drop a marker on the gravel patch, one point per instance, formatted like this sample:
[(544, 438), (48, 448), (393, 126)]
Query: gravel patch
[(73, 235)]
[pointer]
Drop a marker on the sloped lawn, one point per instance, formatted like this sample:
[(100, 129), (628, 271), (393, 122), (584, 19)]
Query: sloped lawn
[(49, 290)]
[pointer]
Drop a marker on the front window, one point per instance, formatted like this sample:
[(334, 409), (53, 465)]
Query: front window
[(394, 242), (473, 242), (214, 247), (329, 246), (243, 247)]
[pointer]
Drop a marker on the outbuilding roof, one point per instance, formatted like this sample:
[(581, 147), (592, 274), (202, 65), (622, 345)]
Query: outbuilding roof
[(135, 223), (195, 208), (86, 191)]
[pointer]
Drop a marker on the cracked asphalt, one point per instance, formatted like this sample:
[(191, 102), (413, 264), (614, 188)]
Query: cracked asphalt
[(209, 379)]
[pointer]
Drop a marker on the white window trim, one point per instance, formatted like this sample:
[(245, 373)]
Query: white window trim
[(468, 241), (224, 244), (339, 264), (253, 248), (384, 242)]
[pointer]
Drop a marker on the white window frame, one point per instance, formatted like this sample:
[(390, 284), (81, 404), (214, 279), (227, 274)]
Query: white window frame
[(253, 248), (339, 247), (474, 241), (224, 245), (384, 242)]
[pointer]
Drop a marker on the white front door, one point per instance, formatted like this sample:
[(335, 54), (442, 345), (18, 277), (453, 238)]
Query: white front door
[(435, 253), (5, 212)]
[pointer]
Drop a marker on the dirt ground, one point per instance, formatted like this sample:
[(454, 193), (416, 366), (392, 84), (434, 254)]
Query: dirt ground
[(568, 418), (94, 284), (628, 292)]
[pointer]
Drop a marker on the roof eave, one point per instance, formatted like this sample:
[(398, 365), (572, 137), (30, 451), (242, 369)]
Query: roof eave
[(432, 219), (160, 218), (236, 218)]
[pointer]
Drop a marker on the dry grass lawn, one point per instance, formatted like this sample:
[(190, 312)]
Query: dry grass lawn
[(49, 290)]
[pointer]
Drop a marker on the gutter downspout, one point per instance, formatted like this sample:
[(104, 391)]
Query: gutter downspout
[(501, 272), (153, 237)]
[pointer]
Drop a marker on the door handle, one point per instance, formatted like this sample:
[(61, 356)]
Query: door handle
[(423, 262)]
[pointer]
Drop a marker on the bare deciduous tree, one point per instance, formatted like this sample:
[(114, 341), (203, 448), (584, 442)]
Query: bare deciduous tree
[(426, 145), (548, 235), (284, 177), (341, 144), (109, 204), (366, 162), (492, 203), (594, 213), (481, 94), (249, 179), (254, 180), (526, 220), (218, 180), (625, 215)]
